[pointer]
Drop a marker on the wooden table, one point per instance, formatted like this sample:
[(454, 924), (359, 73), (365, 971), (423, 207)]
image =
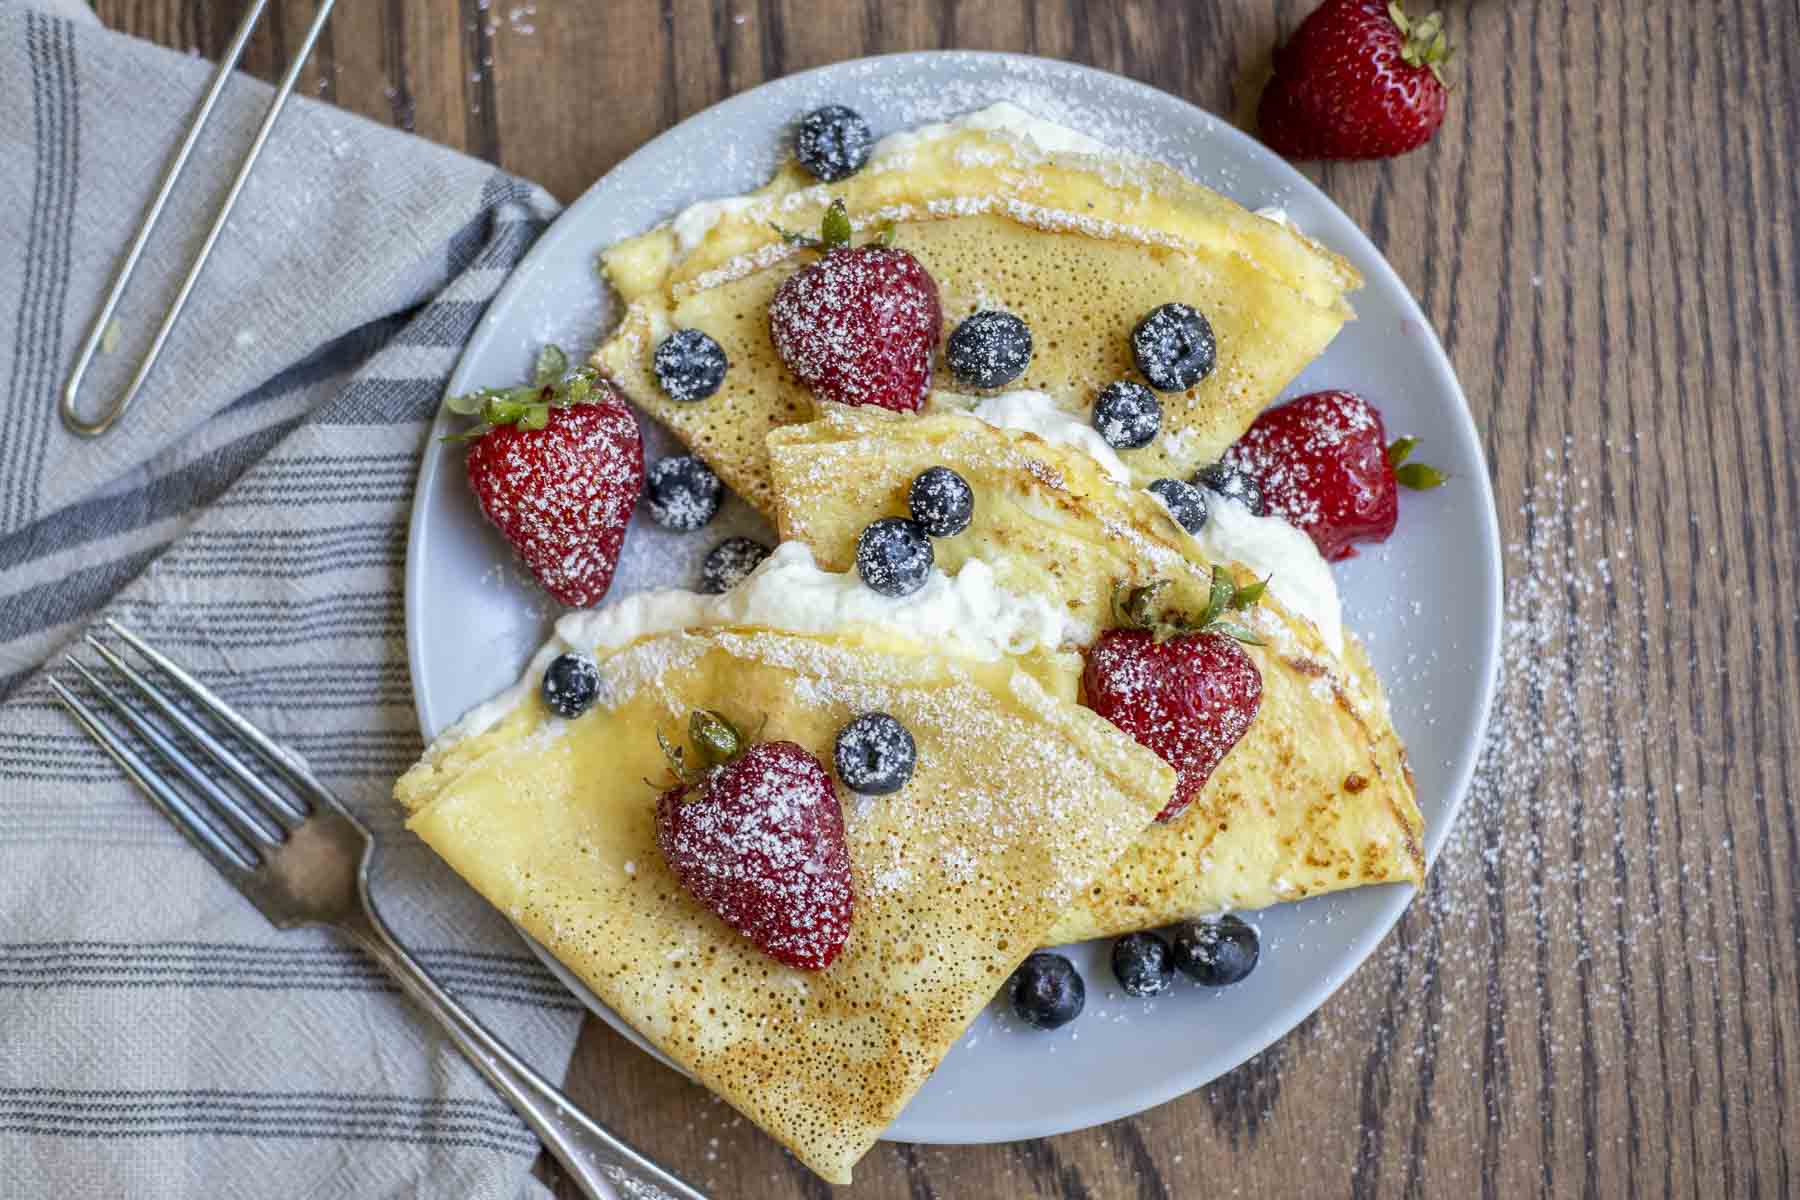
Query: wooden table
[(1597, 993)]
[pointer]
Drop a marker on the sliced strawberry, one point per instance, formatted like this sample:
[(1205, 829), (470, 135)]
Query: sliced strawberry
[(1324, 463), (1358, 79), (859, 325), (562, 492), (758, 837), (1189, 696)]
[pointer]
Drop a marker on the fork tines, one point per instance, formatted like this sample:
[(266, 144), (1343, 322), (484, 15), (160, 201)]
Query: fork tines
[(231, 814)]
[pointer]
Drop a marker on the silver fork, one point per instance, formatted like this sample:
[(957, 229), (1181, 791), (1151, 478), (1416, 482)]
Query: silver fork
[(302, 859)]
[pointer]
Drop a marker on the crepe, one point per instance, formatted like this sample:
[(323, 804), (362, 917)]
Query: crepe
[(1316, 797), (957, 876), (1078, 245)]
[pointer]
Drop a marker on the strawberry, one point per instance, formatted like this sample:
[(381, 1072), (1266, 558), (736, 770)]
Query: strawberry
[(1359, 79), (1324, 463), (859, 325), (557, 467), (757, 836), (1184, 689)]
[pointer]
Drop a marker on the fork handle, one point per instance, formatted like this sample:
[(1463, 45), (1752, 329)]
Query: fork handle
[(593, 1158)]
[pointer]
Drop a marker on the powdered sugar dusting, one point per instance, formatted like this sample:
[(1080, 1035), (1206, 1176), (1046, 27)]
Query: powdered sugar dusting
[(859, 327), (563, 495), (761, 842)]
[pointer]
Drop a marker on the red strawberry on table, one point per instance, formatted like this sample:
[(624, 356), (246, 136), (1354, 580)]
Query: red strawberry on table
[(1184, 689), (1324, 463), (756, 835), (1359, 79), (858, 326), (557, 467)]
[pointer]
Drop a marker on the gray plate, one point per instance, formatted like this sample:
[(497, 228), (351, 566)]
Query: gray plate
[(1428, 602)]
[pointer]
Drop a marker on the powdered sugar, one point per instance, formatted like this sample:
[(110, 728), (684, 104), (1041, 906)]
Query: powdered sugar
[(859, 326)]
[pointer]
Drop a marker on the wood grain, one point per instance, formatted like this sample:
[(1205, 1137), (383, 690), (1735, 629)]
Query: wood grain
[(1597, 995)]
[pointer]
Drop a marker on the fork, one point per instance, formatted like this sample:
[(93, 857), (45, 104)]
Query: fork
[(302, 859)]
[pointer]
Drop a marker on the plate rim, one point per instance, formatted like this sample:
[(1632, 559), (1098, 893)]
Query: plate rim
[(1397, 898)]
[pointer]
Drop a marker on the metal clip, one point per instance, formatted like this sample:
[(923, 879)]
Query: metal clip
[(75, 421)]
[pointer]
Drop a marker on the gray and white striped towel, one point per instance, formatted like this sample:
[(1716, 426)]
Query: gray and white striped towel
[(157, 1037)]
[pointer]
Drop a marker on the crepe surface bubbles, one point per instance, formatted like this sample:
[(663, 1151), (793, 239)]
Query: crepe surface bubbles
[(1315, 798), (957, 877)]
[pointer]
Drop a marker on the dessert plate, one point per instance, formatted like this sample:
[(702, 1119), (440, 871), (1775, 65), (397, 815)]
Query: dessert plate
[(1427, 602)]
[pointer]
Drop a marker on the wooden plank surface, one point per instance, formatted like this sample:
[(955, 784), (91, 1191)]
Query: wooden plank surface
[(1596, 995)]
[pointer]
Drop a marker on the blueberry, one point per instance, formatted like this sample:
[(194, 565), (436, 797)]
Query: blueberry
[(1186, 503), (1142, 964), (833, 142), (728, 562), (571, 682), (989, 349), (1128, 415), (1233, 483), (874, 755), (1174, 347), (682, 492), (941, 501), (1215, 953), (1046, 991), (689, 365), (893, 556)]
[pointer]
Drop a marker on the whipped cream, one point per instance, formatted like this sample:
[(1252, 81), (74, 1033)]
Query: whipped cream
[(1004, 118), (967, 614), (1297, 573), (1036, 412), (693, 223)]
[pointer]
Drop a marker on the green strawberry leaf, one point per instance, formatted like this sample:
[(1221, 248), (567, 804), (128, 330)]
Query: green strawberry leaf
[(717, 739), (536, 416), (551, 364), (835, 229), (1223, 589), (1246, 597), (1400, 450), (1419, 477), (502, 409), (1236, 632), (469, 403)]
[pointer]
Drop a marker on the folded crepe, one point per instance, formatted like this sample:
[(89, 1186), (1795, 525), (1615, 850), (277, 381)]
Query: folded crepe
[(957, 876), (1316, 797), (1080, 245)]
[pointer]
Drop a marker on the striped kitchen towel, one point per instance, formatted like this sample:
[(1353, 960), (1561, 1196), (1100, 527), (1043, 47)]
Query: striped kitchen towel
[(157, 1037)]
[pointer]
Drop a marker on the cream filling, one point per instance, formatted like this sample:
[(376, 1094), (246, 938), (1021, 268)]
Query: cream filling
[(1004, 118), (1036, 412), (1298, 574), (966, 614), (694, 222)]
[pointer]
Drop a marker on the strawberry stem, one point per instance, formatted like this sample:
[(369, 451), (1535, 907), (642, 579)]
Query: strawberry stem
[(528, 406), (1422, 43), (1134, 607), (834, 231), (717, 739)]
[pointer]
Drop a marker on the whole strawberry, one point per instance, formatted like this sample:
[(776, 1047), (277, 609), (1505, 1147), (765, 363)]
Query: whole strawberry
[(1359, 79), (756, 835), (557, 467), (859, 325), (1184, 689), (1324, 463)]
